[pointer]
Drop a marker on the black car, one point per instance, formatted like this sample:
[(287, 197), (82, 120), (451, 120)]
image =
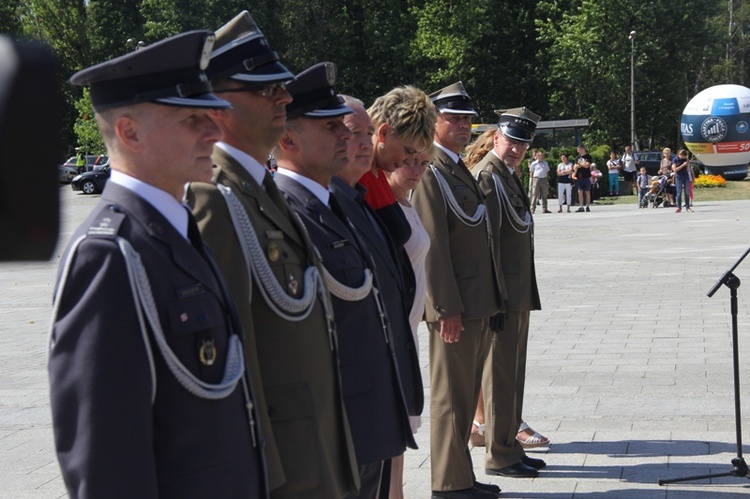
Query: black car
[(651, 160), (91, 182)]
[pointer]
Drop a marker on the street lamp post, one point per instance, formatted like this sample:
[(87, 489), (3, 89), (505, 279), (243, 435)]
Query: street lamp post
[(632, 89), (135, 44)]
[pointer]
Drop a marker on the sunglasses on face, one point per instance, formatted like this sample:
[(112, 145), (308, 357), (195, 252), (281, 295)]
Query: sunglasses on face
[(267, 90)]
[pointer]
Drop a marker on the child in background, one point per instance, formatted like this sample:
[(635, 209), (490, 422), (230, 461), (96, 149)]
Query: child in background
[(643, 183), (596, 174)]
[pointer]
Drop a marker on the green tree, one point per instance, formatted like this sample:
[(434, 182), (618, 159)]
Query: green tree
[(86, 131), (730, 54), (62, 25), (589, 71), (489, 45), (163, 18), (111, 23), (10, 17)]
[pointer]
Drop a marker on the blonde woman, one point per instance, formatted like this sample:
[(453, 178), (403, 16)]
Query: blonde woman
[(665, 168), (403, 121)]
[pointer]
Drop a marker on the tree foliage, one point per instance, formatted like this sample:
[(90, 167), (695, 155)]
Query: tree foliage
[(89, 138), (564, 59)]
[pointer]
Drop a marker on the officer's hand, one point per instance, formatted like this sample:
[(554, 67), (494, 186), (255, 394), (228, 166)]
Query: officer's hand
[(450, 328), (497, 322)]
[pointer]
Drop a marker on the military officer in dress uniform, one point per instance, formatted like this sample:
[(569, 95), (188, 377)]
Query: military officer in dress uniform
[(310, 153), (149, 393), (513, 225), (268, 260), (464, 290)]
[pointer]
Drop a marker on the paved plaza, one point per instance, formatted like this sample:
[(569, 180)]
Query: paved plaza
[(629, 372)]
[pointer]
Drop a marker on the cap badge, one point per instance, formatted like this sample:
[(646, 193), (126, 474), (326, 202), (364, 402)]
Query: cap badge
[(331, 74)]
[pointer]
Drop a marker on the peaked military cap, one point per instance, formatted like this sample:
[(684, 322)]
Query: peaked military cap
[(242, 53), (518, 123), (314, 95), (168, 72), (453, 99)]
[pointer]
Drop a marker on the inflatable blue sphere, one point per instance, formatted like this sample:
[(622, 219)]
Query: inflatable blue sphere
[(715, 127)]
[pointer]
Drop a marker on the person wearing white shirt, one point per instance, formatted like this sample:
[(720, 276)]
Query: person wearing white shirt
[(564, 182), (538, 172), (630, 166)]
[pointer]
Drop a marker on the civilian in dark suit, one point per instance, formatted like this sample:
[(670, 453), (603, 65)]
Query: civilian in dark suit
[(378, 237), (313, 149), (505, 370), (149, 394), (288, 334)]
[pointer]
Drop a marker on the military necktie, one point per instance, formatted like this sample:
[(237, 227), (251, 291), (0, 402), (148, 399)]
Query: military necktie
[(194, 235), (273, 192)]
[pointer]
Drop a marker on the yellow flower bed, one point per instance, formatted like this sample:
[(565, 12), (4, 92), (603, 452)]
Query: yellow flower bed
[(710, 181)]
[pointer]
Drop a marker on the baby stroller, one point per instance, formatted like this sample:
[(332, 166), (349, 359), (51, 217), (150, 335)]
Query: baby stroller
[(656, 192)]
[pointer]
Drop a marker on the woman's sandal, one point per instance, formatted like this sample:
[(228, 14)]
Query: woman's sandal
[(535, 440), (477, 435)]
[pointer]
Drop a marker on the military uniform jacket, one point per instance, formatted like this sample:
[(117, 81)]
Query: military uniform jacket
[(461, 275), (374, 401), (297, 361), (112, 440), (393, 292), (517, 249)]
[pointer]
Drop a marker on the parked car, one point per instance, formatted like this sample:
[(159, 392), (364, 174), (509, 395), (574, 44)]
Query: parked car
[(92, 161), (651, 160), (91, 182), (66, 173)]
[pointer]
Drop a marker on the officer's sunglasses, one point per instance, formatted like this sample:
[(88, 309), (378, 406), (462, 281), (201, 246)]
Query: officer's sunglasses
[(267, 90)]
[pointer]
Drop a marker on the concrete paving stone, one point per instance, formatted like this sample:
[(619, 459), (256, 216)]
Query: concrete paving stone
[(597, 356), (649, 326), (576, 367)]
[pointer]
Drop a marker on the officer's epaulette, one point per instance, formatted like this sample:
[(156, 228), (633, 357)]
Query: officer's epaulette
[(107, 223)]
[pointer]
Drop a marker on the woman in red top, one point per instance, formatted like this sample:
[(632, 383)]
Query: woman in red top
[(404, 121)]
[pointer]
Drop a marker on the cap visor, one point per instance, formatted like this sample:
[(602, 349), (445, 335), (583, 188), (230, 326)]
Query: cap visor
[(208, 101), (267, 73), (329, 112), (517, 134), (458, 111)]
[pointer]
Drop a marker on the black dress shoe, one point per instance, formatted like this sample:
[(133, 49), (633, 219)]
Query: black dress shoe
[(518, 470), (471, 493), (488, 487), (537, 464)]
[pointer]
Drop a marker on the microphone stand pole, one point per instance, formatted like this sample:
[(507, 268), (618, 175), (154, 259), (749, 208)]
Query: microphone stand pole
[(739, 466)]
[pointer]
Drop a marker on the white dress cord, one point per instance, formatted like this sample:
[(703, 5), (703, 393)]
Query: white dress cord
[(285, 306), (450, 200), (235, 366), (144, 302), (141, 322), (520, 226)]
